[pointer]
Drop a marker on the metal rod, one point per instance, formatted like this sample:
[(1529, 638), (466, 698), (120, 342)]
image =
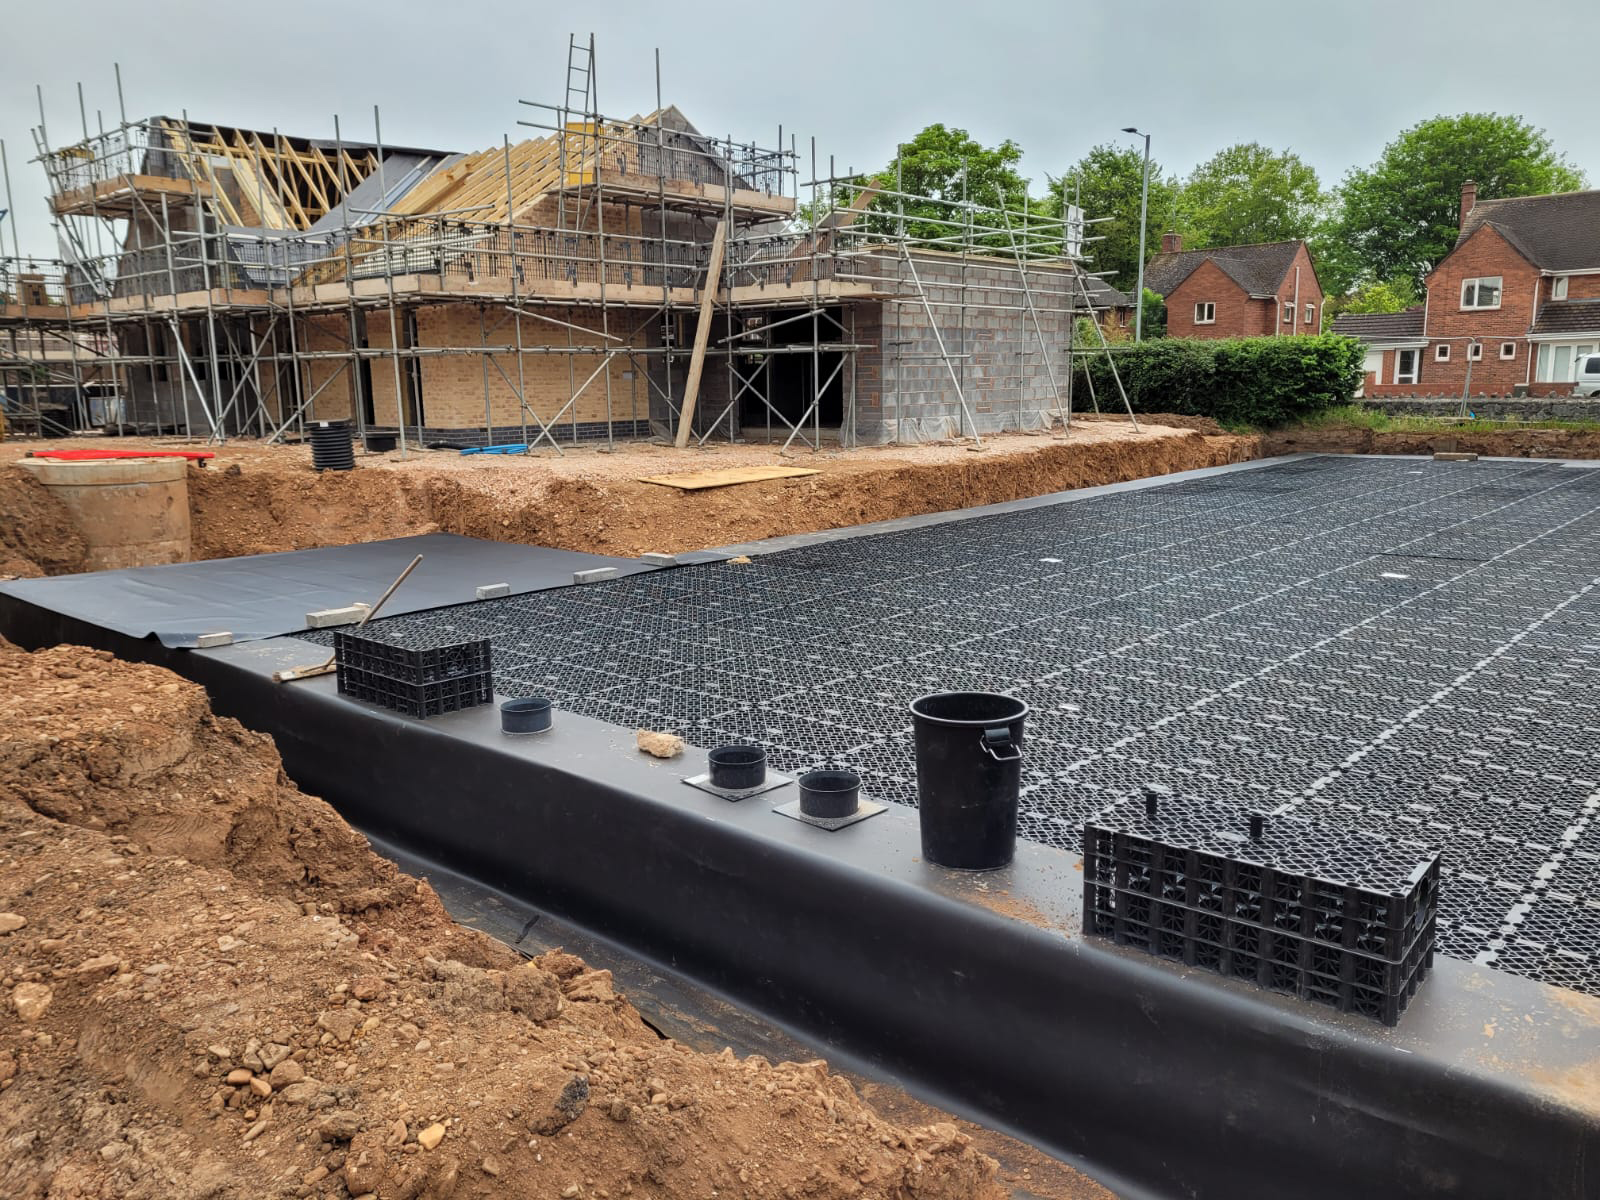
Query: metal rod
[(388, 276)]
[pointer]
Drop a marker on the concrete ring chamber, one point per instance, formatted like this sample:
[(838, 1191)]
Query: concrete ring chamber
[(1399, 645), (132, 512)]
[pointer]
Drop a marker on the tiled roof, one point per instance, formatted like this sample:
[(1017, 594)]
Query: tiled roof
[(1258, 269), (1556, 233), (1381, 327), (1569, 316), (1103, 295)]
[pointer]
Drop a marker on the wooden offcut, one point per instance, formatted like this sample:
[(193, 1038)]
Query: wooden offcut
[(694, 481), (702, 335)]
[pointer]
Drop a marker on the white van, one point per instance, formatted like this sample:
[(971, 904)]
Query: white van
[(1587, 375)]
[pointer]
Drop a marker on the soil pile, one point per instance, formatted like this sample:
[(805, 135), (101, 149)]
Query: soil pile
[(37, 536), (214, 989)]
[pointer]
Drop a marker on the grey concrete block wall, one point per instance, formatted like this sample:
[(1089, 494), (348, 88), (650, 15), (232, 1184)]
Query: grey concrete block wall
[(904, 389)]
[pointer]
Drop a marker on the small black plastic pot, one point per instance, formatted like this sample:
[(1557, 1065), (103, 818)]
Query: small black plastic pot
[(738, 767), (525, 716), (381, 443), (829, 792)]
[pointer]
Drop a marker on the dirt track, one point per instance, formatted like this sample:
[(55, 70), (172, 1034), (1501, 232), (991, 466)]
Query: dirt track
[(254, 499), (214, 989)]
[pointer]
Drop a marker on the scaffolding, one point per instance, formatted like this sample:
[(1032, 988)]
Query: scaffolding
[(605, 277)]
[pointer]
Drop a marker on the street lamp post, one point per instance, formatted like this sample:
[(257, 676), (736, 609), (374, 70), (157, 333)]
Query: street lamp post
[(1144, 210)]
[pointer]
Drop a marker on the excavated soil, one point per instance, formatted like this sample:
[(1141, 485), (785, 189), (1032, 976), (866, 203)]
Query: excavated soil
[(213, 988), (37, 536), (1510, 443), (254, 499)]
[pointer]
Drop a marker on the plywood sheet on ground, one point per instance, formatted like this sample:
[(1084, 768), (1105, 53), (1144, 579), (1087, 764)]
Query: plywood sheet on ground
[(694, 481)]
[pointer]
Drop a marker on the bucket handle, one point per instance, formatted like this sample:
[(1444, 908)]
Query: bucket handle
[(998, 739)]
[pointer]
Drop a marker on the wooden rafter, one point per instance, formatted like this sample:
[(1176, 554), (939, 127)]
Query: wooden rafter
[(286, 194), (197, 162), (313, 182), (249, 169), (287, 187)]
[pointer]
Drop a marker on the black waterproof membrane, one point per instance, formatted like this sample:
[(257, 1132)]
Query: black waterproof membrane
[(265, 595), (980, 990)]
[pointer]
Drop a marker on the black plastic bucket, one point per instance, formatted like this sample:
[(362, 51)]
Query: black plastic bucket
[(969, 770), (525, 716), (737, 767), (381, 443), (331, 448), (830, 792)]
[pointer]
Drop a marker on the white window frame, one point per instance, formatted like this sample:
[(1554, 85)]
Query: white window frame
[(1508, 350), (1476, 285), (1558, 288), (1210, 308), (1545, 370), (1311, 312), (1474, 351), (1288, 312), (1441, 352), (1400, 374)]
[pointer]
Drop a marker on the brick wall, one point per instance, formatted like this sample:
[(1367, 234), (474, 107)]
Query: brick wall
[(1486, 252), (902, 386), (326, 332), (1237, 315), (1310, 292), (1579, 287), (1523, 289), (455, 387)]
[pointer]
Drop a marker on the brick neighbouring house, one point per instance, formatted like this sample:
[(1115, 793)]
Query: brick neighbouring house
[(1236, 291), (1517, 299)]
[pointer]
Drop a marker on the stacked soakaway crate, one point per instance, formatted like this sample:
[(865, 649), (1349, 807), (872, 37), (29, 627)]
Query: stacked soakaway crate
[(1336, 917), (414, 673)]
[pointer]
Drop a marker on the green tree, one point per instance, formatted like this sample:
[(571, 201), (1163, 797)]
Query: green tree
[(1338, 266), (951, 168), (1247, 193), (1400, 216), (1379, 296), (1154, 315), (1106, 184)]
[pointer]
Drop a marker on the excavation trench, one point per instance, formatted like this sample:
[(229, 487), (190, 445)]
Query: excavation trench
[(255, 500)]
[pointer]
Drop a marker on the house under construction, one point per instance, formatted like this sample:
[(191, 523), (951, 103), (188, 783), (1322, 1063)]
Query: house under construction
[(601, 279)]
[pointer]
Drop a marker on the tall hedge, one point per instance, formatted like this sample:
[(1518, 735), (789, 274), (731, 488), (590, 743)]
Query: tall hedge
[(1243, 381)]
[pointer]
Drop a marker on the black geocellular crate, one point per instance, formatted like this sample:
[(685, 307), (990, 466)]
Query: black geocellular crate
[(1333, 916), (423, 680), (412, 657)]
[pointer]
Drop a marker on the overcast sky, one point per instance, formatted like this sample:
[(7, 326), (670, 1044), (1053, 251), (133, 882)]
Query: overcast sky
[(1334, 82)]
